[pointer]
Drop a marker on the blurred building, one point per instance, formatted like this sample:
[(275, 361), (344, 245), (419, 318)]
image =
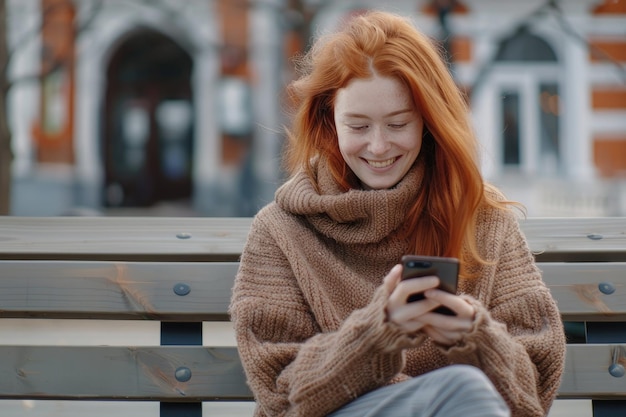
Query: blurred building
[(149, 104)]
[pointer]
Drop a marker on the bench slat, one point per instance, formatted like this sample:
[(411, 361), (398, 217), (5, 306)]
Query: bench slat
[(578, 240), (147, 290), (578, 287), (123, 238), (154, 238), (143, 373), (137, 373), (116, 290), (587, 371)]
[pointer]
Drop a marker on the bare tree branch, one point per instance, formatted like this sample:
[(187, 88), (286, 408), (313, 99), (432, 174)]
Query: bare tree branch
[(571, 32), (55, 64)]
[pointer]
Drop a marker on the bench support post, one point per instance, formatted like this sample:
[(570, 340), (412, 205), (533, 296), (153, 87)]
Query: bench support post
[(181, 409), (173, 333)]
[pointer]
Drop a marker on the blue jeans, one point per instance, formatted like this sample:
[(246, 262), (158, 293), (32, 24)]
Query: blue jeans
[(452, 391)]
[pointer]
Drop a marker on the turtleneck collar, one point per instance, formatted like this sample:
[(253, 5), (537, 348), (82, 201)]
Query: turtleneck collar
[(355, 216)]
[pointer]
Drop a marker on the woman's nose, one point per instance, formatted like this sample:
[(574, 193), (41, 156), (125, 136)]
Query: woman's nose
[(378, 144)]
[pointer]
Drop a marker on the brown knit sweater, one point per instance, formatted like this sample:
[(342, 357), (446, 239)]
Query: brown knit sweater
[(308, 305)]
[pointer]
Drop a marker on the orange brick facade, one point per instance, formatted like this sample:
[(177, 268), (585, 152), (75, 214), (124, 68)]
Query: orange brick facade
[(54, 132)]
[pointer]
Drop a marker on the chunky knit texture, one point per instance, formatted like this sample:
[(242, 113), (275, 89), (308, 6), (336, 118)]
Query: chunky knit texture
[(308, 305)]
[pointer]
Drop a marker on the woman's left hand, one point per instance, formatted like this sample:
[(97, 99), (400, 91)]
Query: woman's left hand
[(448, 330)]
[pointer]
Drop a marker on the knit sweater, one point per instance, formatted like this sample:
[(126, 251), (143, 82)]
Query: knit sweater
[(309, 309)]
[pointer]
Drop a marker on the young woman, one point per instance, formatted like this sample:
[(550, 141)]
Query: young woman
[(383, 164)]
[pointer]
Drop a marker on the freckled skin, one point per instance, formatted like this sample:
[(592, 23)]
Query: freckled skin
[(379, 130)]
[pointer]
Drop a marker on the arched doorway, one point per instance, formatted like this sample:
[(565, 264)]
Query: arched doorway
[(148, 125)]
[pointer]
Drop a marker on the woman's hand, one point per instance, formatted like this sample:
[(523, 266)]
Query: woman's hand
[(418, 316)]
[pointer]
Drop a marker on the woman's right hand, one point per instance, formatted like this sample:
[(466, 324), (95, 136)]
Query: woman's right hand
[(407, 315)]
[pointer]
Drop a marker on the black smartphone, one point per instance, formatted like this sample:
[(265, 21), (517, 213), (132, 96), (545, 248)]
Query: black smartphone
[(447, 269)]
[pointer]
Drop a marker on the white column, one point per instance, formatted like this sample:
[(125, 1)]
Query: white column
[(90, 82), (266, 35), (483, 97), (576, 107), (203, 33), (23, 97), (207, 143)]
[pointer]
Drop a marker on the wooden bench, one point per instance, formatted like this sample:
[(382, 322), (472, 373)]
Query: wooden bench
[(178, 274)]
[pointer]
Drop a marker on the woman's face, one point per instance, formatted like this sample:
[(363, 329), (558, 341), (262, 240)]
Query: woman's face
[(379, 130)]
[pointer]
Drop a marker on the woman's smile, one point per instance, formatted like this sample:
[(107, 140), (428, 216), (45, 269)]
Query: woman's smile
[(381, 164)]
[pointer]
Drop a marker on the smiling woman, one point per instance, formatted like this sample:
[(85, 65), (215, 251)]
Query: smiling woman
[(382, 158)]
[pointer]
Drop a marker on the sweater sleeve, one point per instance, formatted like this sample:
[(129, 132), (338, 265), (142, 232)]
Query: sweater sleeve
[(518, 338), (292, 367)]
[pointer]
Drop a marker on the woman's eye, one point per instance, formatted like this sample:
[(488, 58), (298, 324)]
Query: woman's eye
[(397, 125), (359, 127)]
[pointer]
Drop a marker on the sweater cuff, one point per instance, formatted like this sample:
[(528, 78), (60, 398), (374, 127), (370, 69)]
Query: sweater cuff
[(388, 336), (388, 340)]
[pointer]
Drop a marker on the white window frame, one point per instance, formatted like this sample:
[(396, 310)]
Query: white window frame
[(525, 80)]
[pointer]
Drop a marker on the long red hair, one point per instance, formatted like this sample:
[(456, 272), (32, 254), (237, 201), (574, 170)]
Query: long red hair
[(442, 219)]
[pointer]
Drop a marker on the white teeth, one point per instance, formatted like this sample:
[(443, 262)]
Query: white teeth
[(382, 164)]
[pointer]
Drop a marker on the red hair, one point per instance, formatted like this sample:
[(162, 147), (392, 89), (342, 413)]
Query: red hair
[(442, 219)]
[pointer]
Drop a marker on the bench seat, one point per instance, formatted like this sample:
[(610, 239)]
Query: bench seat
[(178, 272)]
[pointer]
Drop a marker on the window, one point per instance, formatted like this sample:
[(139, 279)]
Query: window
[(526, 82), (511, 128)]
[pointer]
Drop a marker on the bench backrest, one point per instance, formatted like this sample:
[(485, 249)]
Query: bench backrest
[(179, 272)]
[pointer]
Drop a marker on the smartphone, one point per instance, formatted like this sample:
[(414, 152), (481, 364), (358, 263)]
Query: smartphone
[(447, 269)]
